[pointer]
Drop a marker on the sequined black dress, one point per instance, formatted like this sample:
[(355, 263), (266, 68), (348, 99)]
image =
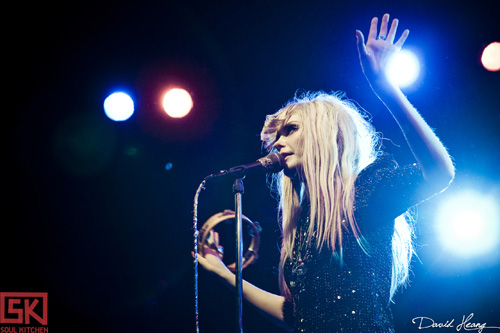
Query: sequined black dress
[(351, 294)]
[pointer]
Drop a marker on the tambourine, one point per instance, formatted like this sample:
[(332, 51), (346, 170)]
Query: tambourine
[(206, 232)]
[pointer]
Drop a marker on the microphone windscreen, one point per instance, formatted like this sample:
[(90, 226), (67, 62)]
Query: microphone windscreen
[(273, 162)]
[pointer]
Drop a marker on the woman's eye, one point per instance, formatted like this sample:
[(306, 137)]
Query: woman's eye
[(290, 129)]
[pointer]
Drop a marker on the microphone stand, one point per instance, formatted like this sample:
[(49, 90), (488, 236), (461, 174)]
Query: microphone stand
[(238, 190)]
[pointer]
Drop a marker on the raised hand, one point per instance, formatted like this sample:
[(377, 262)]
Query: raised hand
[(428, 150), (379, 48)]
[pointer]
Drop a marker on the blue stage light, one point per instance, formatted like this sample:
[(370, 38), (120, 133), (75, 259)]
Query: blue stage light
[(119, 106), (468, 225)]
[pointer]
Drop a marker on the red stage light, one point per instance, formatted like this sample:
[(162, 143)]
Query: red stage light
[(177, 103), (491, 57)]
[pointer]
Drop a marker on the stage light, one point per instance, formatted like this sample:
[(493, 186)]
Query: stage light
[(467, 225), (118, 106), (177, 103), (491, 57), (403, 68)]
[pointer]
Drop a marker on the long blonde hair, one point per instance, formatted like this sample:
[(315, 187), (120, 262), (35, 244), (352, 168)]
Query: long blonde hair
[(338, 143)]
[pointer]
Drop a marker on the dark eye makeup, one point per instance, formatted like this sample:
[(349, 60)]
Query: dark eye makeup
[(289, 129)]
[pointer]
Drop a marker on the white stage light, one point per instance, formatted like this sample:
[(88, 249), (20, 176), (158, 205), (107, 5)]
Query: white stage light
[(404, 68), (118, 106), (468, 225)]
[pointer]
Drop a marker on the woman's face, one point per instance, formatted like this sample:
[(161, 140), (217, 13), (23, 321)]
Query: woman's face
[(290, 144)]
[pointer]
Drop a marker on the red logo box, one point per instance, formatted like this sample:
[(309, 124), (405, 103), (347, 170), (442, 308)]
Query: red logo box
[(19, 308)]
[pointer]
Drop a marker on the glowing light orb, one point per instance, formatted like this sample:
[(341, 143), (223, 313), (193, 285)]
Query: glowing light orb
[(403, 68), (491, 57), (467, 225), (177, 103), (119, 106)]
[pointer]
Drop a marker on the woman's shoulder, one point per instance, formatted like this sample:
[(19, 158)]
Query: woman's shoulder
[(387, 185), (384, 161)]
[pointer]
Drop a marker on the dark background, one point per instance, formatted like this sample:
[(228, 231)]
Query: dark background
[(93, 217)]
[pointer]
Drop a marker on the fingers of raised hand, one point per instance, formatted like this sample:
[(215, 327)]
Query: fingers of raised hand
[(392, 32), (383, 27), (386, 33), (402, 39), (372, 34), (360, 42)]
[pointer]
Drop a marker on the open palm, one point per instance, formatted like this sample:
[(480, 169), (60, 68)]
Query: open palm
[(378, 49)]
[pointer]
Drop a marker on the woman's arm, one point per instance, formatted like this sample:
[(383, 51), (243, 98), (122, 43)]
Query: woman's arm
[(428, 150), (269, 304)]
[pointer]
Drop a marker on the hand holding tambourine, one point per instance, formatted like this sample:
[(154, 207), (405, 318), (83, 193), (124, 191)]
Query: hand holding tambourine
[(208, 240)]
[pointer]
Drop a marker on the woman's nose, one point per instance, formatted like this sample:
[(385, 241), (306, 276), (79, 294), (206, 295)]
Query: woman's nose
[(279, 144)]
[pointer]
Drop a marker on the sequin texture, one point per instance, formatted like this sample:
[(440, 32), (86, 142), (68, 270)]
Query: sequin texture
[(351, 293)]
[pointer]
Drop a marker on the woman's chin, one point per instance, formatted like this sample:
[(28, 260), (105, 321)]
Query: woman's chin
[(291, 173)]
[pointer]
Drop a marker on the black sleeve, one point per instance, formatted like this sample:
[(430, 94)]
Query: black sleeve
[(389, 189), (288, 313)]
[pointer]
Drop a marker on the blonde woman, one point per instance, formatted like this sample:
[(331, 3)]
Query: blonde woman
[(346, 242)]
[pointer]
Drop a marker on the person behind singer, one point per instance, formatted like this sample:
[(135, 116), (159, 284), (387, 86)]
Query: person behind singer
[(346, 244)]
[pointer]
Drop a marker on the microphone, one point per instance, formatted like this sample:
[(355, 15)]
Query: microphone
[(271, 163)]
